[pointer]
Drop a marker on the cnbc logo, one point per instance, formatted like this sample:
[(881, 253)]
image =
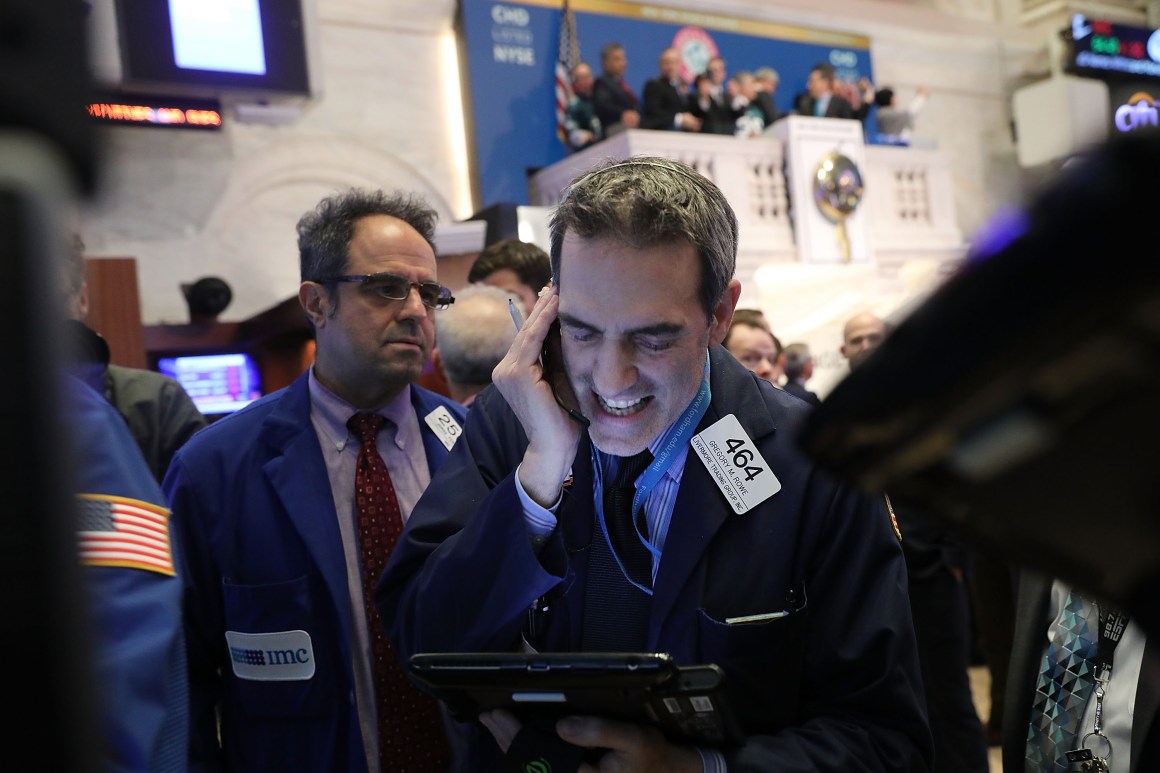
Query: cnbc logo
[(1139, 111)]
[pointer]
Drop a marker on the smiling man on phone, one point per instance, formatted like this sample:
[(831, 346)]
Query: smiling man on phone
[(681, 518)]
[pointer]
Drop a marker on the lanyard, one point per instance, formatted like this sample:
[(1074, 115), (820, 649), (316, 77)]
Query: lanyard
[(676, 437), (1112, 625)]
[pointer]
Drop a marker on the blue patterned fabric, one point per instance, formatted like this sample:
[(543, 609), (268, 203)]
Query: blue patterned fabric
[(1064, 686)]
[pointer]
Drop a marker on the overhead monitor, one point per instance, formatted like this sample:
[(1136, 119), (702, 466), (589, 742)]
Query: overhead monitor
[(257, 50), (217, 383), (1104, 49)]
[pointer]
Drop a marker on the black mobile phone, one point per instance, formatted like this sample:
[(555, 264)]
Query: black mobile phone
[(552, 361)]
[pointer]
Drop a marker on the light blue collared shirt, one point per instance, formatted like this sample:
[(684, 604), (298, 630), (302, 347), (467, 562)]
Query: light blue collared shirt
[(658, 510)]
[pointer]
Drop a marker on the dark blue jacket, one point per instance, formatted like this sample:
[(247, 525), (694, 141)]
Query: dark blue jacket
[(252, 500), (832, 686), (135, 608)]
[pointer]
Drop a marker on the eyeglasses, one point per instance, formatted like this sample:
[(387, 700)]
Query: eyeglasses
[(396, 288)]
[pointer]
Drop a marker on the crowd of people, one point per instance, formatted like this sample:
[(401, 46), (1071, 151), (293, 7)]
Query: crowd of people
[(301, 550), (714, 102)]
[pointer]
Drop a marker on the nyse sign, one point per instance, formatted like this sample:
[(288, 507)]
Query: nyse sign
[(512, 41)]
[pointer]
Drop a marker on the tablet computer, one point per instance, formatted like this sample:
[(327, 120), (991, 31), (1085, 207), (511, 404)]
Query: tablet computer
[(687, 703)]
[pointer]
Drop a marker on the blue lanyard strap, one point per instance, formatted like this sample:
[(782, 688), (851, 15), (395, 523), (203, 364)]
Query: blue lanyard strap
[(675, 438)]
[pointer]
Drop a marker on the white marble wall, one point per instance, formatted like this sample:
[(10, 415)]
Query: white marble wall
[(189, 204)]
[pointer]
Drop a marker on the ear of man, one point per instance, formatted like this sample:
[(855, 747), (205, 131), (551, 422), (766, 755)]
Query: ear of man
[(723, 314), (315, 302)]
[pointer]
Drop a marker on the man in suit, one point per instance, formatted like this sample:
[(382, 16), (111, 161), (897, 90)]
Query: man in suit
[(616, 104), (861, 335), (526, 538), (474, 335), (666, 101), (767, 83), (279, 627), (160, 414), (819, 99), (937, 565), (798, 366), (754, 107), (1131, 694), (580, 121), (755, 346)]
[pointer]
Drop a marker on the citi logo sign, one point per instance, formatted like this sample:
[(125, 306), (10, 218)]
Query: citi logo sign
[(1140, 111)]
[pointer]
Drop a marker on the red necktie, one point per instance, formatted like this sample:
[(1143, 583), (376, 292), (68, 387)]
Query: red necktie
[(411, 736)]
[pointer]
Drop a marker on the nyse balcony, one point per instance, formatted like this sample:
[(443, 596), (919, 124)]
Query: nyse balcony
[(907, 240), (908, 197)]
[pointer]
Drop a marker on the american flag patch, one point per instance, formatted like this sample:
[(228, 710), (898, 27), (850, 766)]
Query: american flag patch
[(115, 531)]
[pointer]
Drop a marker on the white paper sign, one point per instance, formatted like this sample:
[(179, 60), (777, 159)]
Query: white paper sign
[(736, 465), (444, 425)]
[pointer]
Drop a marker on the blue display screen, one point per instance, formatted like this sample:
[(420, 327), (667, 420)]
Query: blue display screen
[(217, 383), (218, 35)]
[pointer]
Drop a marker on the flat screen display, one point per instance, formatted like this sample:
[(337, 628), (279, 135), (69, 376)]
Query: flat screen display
[(218, 35), (214, 47), (218, 383)]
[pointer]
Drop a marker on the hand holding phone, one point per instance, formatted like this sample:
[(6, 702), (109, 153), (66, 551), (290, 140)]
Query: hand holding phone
[(552, 361), (532, 380)]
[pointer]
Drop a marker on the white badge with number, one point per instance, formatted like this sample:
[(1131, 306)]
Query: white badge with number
[(444, 425), (736, 465)]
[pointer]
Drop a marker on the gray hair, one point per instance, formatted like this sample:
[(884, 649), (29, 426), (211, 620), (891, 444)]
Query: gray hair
[(647, 201), (325, 232), (767, 74), (797, 356), (474, 334)]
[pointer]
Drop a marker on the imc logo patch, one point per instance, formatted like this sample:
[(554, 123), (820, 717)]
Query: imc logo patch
[(282, 656)]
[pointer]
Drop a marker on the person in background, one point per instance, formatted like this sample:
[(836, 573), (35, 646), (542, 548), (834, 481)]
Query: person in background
[(718, 76), (753, 107), (159, 413), (520, 268), (617, 106), (755, 347), (473, 336), (1076, 661), (754, 317), (896, 124), (861, 335), (937, 565), (710, 104), (820, 99), (580, 121), (132, 589), (288, 510), (666, 100), (528, 539), (798, 365), (767, 83)]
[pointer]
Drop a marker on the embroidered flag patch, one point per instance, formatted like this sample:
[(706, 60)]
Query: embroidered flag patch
[(115, 531)]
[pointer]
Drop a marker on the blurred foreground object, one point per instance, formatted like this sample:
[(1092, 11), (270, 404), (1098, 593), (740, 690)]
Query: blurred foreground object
[(47, 159), (1021, 403)]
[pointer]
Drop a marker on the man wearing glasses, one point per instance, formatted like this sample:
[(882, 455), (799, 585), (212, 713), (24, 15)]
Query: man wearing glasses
[(289, 508)]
